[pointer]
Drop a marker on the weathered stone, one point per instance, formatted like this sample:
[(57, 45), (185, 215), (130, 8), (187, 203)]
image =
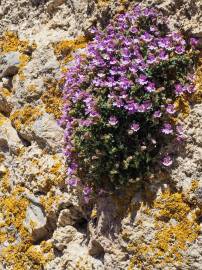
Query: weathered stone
[(64, 235), (36, 222), (9, 138), (9, 64), (48, 133)]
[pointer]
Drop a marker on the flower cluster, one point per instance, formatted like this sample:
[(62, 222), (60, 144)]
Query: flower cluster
[(119, 100)]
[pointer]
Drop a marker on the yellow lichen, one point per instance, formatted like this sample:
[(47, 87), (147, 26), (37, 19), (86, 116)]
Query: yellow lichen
[(2, 158), (5, 92), (22, 255), (64, 49), (175, 227), (10, 42), (197, 97), (194, 185), (3, 119), (24, 59), (5, 181), (52, 98), (56, 175), (25, 116), (49, 201)]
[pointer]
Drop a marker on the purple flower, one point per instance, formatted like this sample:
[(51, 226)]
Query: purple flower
[(189, 88), (157, 114), (179, 49), (135, 127), (73, 182), (176, 36), (113, 121), (167, 161), (125, 83), (151, 87), (170, 109), (142, 80), (131, 107), (163, 55), (167, 129), (87, 191), (179, 89), (151, 59), (147, 105), (133, 69), (147, 37), (194, 42), (141, 108)]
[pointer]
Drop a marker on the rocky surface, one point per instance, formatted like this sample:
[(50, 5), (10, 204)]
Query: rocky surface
[(43, 224)]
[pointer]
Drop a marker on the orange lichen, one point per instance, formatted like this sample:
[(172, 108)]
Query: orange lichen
[(49, 201), (3, 119), (64, 49), (182, 104), (24, 59), (5, 181), (2, 158), (52, 98), (25, 116), (5, 92), (197, 97), (22, 255), (10, 42), (175, 227)]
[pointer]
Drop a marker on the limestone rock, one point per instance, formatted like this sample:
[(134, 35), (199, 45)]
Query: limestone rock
[(9, 64), (48, 133), (8, 137), (64, 235), (36, 222)]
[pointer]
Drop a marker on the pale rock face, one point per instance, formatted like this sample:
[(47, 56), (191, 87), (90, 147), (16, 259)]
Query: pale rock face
[(9, 138), (9, 64), (123, 230), (48, 133), (64, 235), (36, 222)]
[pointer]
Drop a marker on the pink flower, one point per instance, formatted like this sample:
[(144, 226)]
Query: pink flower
[(135, 127), (113, 121), (151, 87), (167, 129), (179, 89), (167, 161), (157, 114), (73, 182), (142, 80), (194, 42), (179, 49), (170, 109)]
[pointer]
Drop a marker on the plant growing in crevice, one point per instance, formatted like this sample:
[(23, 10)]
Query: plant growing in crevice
[(119, 114)]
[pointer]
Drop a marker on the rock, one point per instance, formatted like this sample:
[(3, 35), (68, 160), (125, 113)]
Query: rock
[(48, 133), (9, 64), (96, 249), (122, 229), (64, 235), (6, 104), (69, 216), (8, 137), (36, 222), (198, 194), (75, 255)]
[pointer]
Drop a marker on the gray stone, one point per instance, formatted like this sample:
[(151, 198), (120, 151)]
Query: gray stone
[(9, 64), (36, 222)]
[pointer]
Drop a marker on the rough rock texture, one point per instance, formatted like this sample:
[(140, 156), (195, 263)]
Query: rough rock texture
[(43, 225)]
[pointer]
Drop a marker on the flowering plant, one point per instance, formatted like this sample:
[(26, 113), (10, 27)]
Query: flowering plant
[(119, 100)]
